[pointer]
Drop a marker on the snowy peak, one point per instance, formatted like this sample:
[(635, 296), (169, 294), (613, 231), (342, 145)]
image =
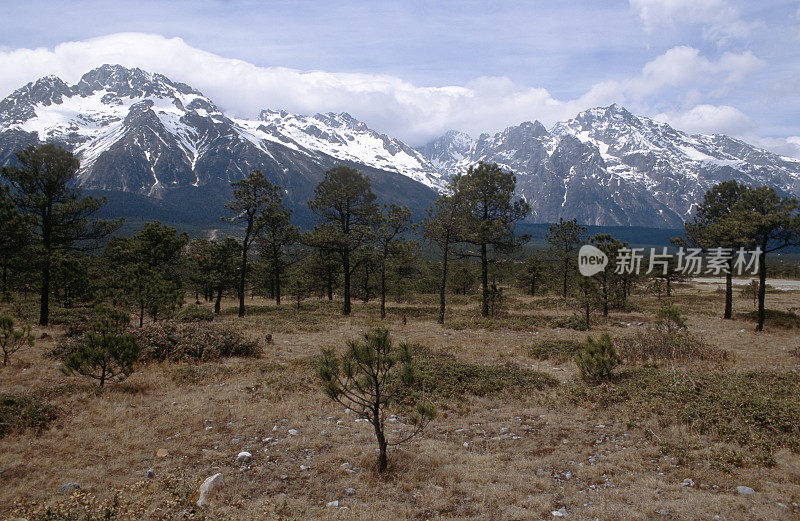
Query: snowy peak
[(343, 137), (608, 166), (142, 132)]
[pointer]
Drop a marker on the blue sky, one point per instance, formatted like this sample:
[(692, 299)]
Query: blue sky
[(416, 69)]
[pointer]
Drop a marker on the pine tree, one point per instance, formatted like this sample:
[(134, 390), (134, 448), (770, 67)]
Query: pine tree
[(565, 237), (15, 233), (345, 205), (393, 222), (255, 202), (443, 226), (708, 229), (491, 212), (13, 339), (42, 188), (763, 219), (366, 380)]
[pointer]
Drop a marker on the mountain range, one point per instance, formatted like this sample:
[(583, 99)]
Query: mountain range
[(159, 148)]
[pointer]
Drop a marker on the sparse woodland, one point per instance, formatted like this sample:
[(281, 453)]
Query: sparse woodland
[(386, 365)]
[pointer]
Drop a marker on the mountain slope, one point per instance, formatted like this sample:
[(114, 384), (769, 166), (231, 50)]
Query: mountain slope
[(141, 133), (156, 143), (610, 167)]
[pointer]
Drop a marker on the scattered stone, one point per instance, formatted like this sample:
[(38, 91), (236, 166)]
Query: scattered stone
[(244, 457), (304, 467), (283, 476), (162, 453), (688, 482), (350, 491), (293, 432), (235, 441), (66, 487), (561, 512), (662, 512), (209, 427), (209, 488), (150, 474), (332, 504), (745, 491)]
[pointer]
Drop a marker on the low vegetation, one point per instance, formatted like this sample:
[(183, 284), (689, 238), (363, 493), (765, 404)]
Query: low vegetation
[(19, 412)]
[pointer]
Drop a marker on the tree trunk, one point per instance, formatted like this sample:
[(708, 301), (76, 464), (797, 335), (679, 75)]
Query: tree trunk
[(443, 284), (383, 288), (382, 459), (566, 276), (243, 275), (346, 267), (588, 323), (44, 303), (729, 291), (329, 283), (218, 301), (277, 272), (485, 281), (762, 286)]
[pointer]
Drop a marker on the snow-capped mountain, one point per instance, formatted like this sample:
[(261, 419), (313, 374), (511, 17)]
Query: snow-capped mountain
[(164, 142), (610, 167), (142, 133)]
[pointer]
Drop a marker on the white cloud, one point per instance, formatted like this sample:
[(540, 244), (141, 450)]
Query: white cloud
[(709, 119), (387, 103), (789, 146), (720, 21)]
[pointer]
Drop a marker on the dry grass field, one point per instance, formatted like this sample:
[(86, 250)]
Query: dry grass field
[(663, 441)]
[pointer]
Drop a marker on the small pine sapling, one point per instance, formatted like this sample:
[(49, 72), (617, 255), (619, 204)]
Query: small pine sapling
[(104, 353), (669, 319), (365, 380), (597, 360), (13, 339)]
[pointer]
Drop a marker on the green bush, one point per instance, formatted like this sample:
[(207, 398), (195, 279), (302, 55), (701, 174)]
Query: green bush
[(13, 339), (597, 360), (104, 353), (576, 322), (193, 342), (442, 375), (775, 317), (20, 412), (754, 409), (195, 313), (653, 346), (558, 350)]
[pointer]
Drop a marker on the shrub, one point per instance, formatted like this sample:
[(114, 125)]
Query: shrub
[(576, 322), (365, 380), (775, 317), (442, 375), (195, 313), (193, 341), (104, 353), (596, 362), (670, 319), (13, 339), (20, 412), (653, 346), (558, 350)]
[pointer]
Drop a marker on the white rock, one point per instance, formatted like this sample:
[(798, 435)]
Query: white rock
[(209, 488), (293, 432), (745, 491), (349, 491), (244, 457), (332, 504), (561, 512)]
